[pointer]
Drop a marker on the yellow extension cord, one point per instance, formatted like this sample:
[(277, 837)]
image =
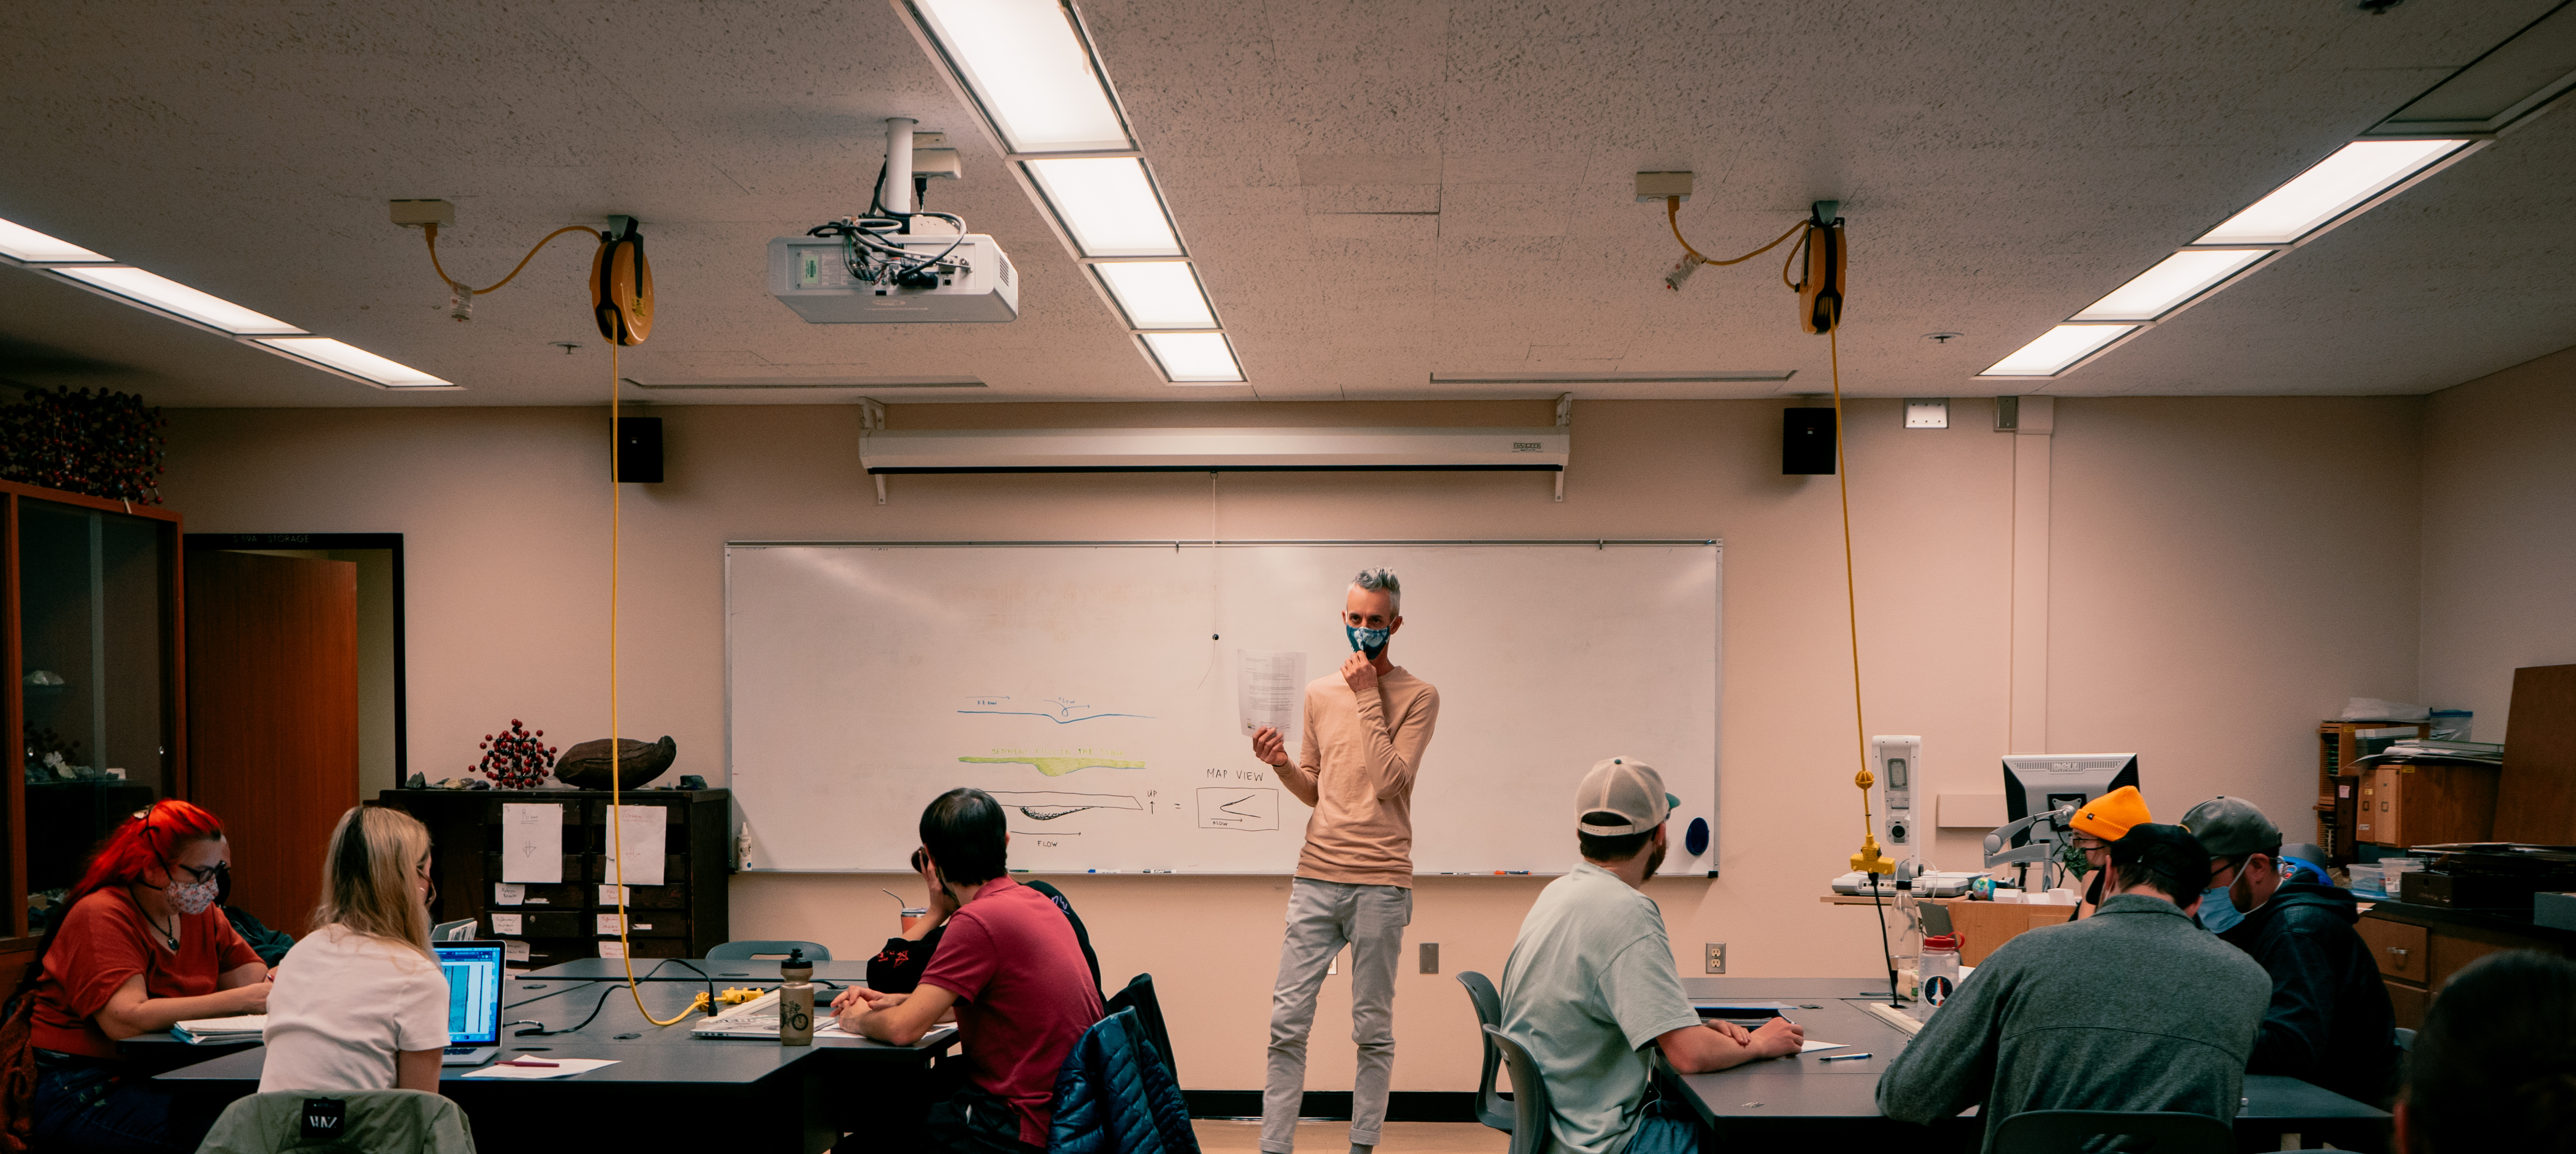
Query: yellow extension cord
[(1673, 217), (616, 747), (431, 232)]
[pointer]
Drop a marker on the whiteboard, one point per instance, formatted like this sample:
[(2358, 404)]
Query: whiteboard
[(1091, 688)]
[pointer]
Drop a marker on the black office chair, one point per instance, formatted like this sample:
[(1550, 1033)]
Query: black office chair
[(1531, 1132), (1139, 996), (2065, 1131), (750, 948), (1493, 1108)]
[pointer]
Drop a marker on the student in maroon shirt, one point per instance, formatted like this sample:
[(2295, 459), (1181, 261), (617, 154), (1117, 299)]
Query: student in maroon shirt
[(1009, 966)]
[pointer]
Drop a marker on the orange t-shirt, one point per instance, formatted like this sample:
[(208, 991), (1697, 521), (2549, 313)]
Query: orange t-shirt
[(104, 941)]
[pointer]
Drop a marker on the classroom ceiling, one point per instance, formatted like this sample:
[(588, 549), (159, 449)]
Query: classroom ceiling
[(1377, 193)]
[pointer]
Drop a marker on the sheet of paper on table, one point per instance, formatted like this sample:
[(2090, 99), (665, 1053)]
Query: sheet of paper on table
[(562, 1068), (1812, 1047)]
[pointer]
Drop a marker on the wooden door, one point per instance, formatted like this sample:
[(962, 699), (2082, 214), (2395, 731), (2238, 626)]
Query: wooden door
[(273, 718)]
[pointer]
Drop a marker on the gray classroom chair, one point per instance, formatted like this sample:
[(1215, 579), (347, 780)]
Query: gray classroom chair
[(378, 1120), (748, 949), (2065, 1131), (1493, 1108), (1531, 1133)]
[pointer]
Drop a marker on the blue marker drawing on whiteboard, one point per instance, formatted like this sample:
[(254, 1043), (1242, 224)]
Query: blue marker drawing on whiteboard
[(1062, 711)]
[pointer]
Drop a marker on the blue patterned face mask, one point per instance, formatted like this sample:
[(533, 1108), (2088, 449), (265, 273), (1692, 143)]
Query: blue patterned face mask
[(1369, 641)]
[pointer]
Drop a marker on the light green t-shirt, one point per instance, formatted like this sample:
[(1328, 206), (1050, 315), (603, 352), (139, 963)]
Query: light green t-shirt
[(1589, 986)]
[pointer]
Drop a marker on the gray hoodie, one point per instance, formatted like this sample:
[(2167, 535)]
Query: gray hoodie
[(2135, 1008)]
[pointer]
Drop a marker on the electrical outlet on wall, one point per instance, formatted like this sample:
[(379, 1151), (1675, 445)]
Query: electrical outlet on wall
[(1716, 957), (1430, 957)]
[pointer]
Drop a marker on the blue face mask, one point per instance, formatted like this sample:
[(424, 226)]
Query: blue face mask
[(2218, 911), (1369, 641)]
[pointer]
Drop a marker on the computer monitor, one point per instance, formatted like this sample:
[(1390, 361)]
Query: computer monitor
[(2040, 782), (474, 986)]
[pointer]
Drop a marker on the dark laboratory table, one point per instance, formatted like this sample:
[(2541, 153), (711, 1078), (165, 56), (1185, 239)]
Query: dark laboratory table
[(762, 970), (1804, 1097), (162, 1049), (668, 1090)]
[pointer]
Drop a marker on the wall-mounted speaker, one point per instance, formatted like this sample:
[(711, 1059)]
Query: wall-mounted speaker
[(1806, 441), (639, 450)]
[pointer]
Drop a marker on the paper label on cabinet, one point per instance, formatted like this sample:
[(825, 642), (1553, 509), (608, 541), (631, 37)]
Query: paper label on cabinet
[(612, 950), (505, 923), (612, 895), (532, 842), (515, 951), (638, 841), (508, 893)]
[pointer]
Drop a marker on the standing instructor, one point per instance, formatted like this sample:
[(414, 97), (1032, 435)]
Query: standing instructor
[(1366, 728)]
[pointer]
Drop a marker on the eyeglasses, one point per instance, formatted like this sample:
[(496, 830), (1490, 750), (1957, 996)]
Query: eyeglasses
[(204, 874)]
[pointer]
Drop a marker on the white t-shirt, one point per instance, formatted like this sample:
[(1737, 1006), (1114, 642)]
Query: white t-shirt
[(344, 1003)]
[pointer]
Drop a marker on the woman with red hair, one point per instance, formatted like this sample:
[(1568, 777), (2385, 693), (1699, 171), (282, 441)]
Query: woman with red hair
[(138, 948)]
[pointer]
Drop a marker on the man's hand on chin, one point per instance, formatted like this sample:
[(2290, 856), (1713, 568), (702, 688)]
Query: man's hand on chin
[(1359, 673)]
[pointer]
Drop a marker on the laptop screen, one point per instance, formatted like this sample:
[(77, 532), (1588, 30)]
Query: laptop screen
[(473, 992)]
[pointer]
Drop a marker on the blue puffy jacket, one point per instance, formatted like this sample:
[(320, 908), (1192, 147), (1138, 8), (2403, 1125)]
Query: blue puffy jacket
[(1114, 1096)]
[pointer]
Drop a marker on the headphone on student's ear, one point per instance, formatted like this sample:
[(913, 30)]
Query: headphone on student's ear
[(621, 287)]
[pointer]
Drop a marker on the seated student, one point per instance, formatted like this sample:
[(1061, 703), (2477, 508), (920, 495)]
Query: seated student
[(2494, 1068), (2104, 820), (1009, 965), (1590, 988), (2135, 1008), (361, 1003), (138, 948), (2330, 1023), (897, 968)]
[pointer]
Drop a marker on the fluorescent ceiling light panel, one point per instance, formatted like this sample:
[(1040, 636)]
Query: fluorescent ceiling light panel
[(2056, 349), (1158, 294), (1676, 377), (2175, 280), (2355, 173), (19, 242), (169, 296), (356, 362), (1109, 205), (1194, 358), (1030, 72)]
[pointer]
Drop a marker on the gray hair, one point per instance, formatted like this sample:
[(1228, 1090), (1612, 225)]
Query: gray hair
[(1382, 581)]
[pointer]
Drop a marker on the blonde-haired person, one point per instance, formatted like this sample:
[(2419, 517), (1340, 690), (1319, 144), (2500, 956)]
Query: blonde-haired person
[(361, 1003)]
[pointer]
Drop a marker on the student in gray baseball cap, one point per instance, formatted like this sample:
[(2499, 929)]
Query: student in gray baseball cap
[(2330, 1023), (1590, 990)]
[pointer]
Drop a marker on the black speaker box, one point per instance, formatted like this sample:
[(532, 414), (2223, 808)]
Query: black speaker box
[(1807, 441), (639, 450)]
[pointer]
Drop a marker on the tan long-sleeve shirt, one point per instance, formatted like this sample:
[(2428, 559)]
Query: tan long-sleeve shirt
[(1356, 767)]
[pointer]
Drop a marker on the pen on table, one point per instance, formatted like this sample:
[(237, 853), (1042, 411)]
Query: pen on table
[(1841, 1057), (526, 1062)]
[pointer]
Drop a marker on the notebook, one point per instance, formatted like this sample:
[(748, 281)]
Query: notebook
[(474, 985)]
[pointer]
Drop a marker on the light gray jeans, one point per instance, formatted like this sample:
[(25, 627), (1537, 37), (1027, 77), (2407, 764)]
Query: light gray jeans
[(1322, 917)]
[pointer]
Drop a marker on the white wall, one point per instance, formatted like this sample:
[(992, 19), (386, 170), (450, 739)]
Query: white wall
[(2207, 615), (2499, 568)]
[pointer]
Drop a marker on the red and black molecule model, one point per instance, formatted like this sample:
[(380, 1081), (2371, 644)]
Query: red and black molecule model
[(516, 759)]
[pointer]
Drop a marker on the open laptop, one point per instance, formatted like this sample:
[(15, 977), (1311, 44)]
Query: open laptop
[(474, 985)]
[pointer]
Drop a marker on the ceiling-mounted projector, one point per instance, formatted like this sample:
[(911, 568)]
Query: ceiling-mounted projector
[(962, 279)]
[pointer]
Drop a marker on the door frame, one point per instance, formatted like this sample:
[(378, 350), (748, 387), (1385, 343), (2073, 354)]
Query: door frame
[(387, 541)]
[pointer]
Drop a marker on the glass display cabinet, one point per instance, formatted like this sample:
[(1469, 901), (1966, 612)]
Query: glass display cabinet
[(93, 642)]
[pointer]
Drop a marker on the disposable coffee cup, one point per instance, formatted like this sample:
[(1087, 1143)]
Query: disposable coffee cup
[(913, 916)]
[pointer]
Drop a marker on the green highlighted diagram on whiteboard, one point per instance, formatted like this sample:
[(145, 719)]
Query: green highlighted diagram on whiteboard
[(1057, 766)]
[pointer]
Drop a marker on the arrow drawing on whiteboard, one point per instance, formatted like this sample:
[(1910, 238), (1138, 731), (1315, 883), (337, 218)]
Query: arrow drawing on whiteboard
[(1050, 806), (1061, 711), (1056, 766), (1238, 808)]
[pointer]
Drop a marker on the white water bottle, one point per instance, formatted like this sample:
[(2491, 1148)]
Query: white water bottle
[(1940, 969)]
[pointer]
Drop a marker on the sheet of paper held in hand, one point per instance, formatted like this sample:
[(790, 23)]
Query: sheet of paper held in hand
[(532, 842), (1270, 688), (640, 843)]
